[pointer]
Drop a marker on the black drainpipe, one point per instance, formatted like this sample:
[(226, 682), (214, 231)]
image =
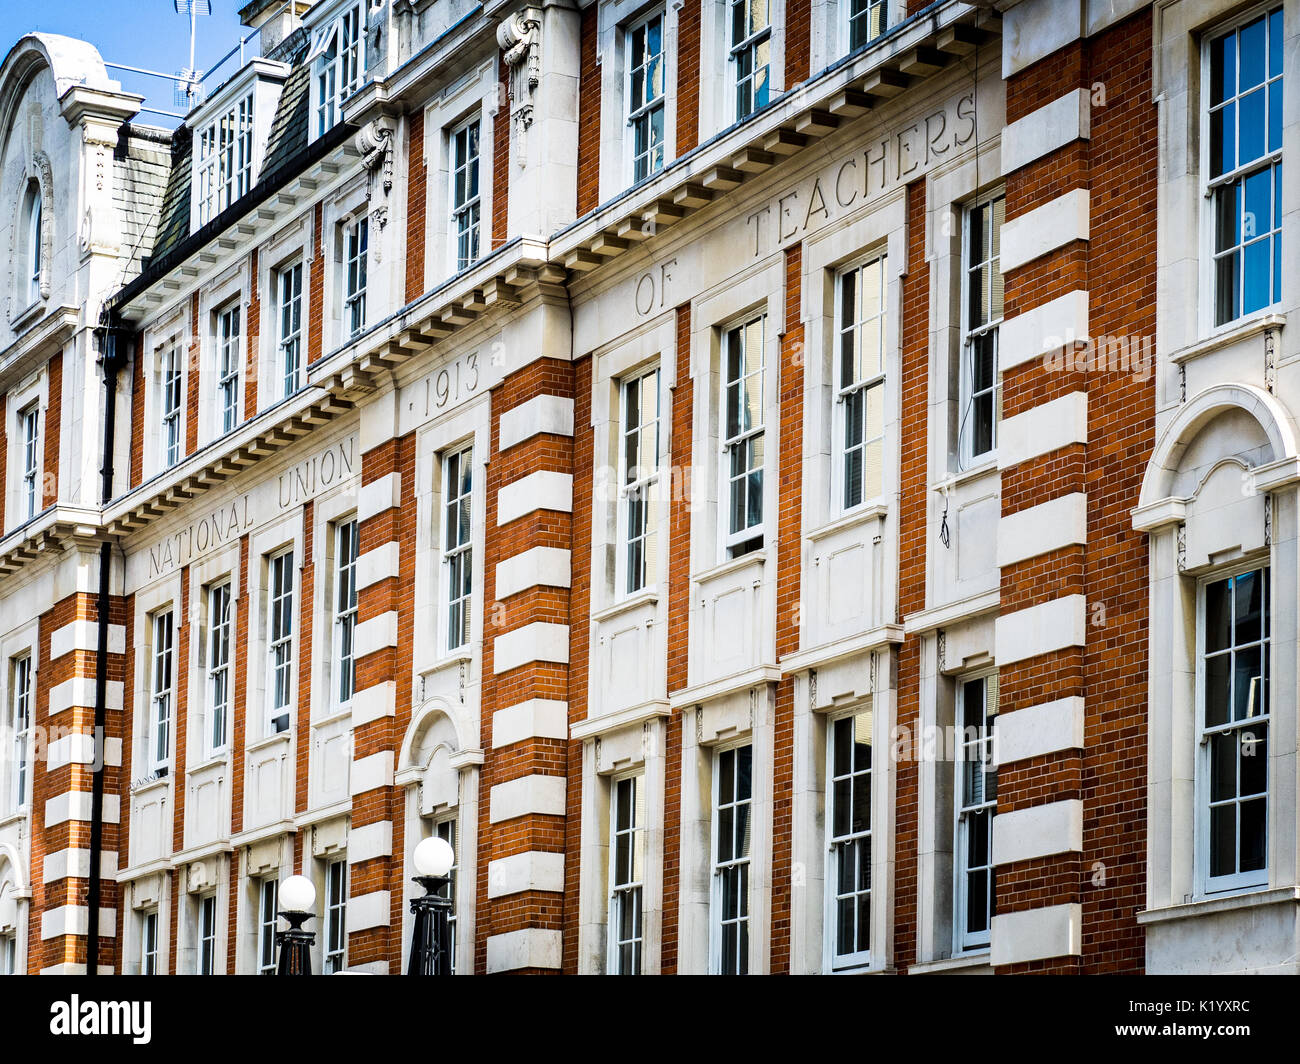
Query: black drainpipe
[(113, 340)]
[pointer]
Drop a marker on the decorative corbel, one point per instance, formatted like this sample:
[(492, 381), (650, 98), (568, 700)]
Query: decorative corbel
[(375, 142), (520, 39)]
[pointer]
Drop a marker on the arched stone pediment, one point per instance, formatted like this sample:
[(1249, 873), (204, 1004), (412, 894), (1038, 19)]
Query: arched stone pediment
[(1160, 500)]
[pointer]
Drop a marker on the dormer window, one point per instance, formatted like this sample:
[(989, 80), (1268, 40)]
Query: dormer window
[(225, 159), (338, 59), (32, 272)]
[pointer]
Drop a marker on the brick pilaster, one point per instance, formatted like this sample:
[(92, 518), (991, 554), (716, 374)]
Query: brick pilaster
[(688, 77), (789, 549), (193, 383), (1084, 599), (52, 430), (501, 157), (914, 442), (416, 192), (63, 751), (589, 114), (386, 513), (252, 339), (526, 659), (679, 614)]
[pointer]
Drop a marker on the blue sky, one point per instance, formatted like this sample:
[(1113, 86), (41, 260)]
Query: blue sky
[(139, 33)]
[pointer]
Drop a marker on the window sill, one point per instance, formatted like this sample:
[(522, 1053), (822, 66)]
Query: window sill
[(29, 315), (1227, 335), (284, 737), (968, 963), (754, 559), (988, 464), (217, 760), (336, 714), (150, 784), (449, 660), (644, 597), (1247, 898), (862, 515), (15, 816)]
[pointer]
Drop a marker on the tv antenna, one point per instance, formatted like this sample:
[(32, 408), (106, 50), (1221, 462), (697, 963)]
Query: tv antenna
[(188, 81)]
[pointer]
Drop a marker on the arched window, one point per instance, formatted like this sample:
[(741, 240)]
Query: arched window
[(32, 248)]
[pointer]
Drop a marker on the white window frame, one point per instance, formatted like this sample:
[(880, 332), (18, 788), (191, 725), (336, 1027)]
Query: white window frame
[(220, 672), (748, 438), (627, 892), (334, 925), (838, 842), (171, 377), (971, 335), (637, 563), (207, 935), (643, 116), (467, 210), (288, 308), (447, 828), (225, 159), (29, 420), (356, 242), (719, 867), (162, 688), (149, 942), (973, 750), (864, 384), (8, 954), (268, 922), (750, 46), (346, 540), (1210, 885), (280, 626), (864, 15), (20, 725), (228, 359), (1269, 160), (338, 62), (458, 546), (35, 247)]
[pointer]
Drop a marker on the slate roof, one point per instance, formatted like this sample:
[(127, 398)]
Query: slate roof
[(286, 141), (141, 164)]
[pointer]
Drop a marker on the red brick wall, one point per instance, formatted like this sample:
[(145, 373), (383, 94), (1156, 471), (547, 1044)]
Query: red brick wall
[(53, 429), (394, 594), (417, 173), (584, 470), (789, 545), (47, 784), (1117, 266), (252, 340), (501, 157), (545, 528), (316, 290), (1123, 283), (180, 750), (679, 613), (137, 413), (306, 651), (589, 114), (688, 76), (911, 567), (798, 36), (192, 385)]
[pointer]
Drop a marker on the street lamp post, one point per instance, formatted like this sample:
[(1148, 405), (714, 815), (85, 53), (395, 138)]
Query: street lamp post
[(430, 950), (298, 896)]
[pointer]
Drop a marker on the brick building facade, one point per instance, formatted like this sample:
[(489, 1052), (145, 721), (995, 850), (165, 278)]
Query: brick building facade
[(780, 487)]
